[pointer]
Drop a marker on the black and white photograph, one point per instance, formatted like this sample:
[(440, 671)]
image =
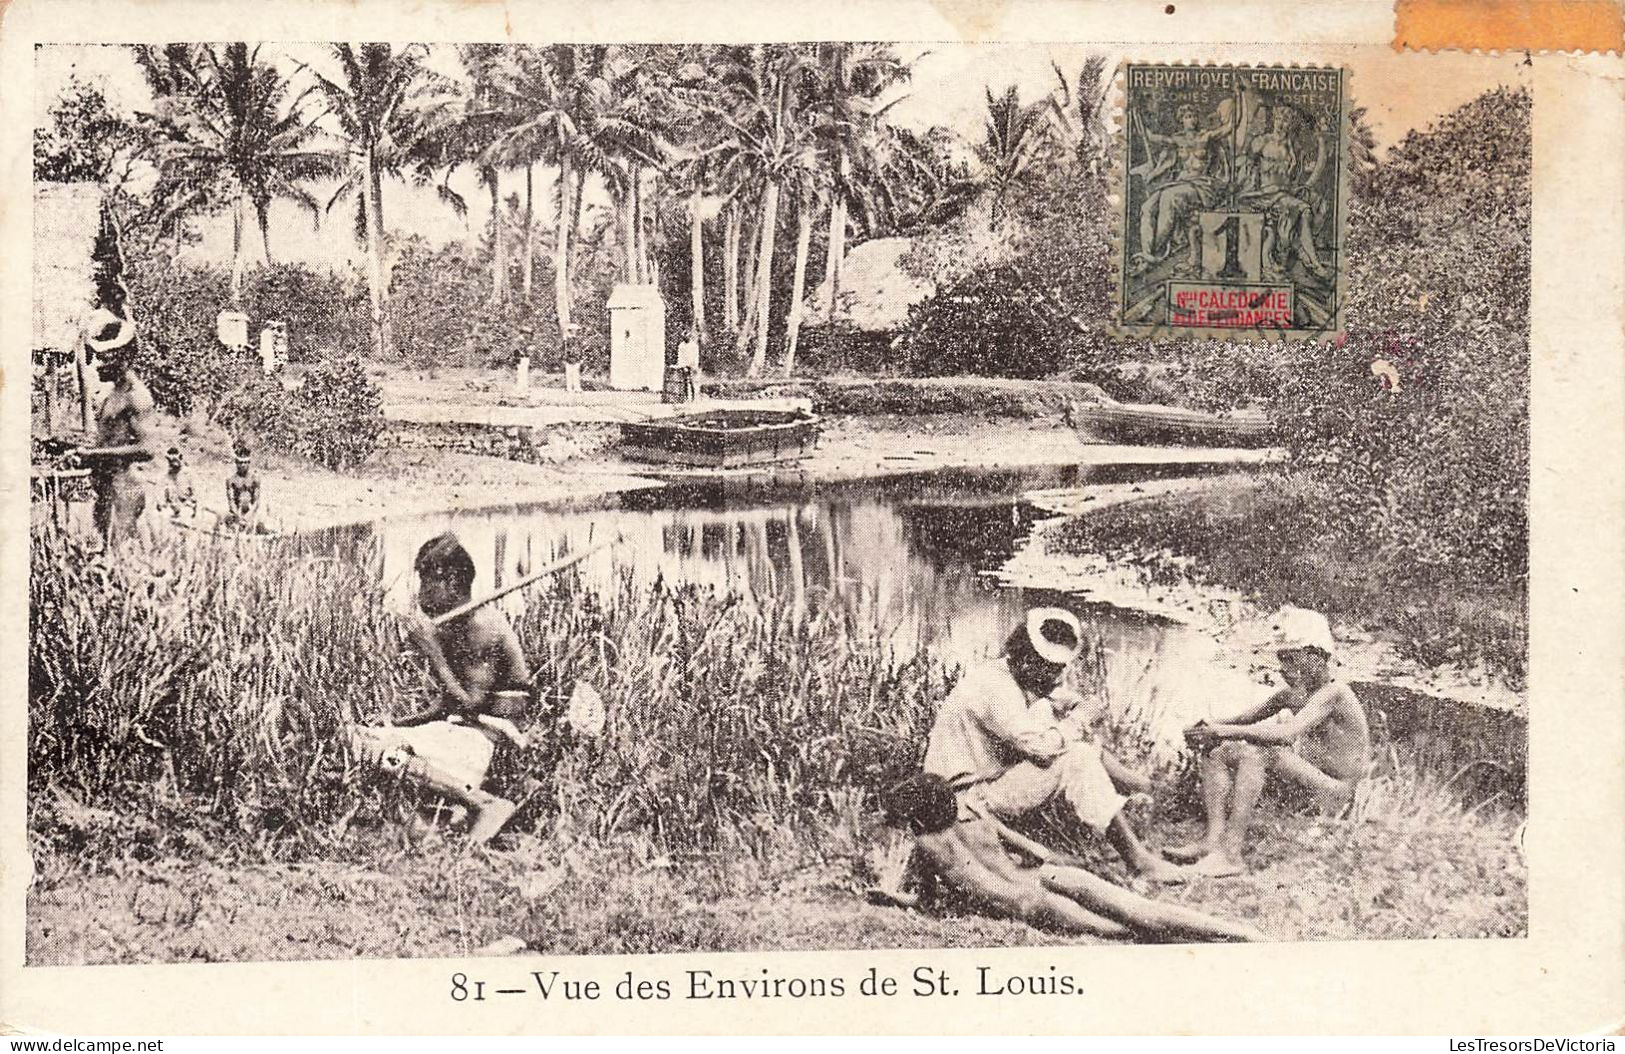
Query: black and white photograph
[(576, 498)]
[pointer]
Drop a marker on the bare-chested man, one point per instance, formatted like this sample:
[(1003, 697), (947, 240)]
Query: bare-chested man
[(124, 431), (1311, 736), (969, 852), (477, 664), (243, 493)]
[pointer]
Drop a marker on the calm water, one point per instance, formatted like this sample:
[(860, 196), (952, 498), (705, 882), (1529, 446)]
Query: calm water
[(912, 552)]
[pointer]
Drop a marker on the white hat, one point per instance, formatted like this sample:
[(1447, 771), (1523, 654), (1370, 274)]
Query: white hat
[(1292, 628), (105, 331), (1049, 650)]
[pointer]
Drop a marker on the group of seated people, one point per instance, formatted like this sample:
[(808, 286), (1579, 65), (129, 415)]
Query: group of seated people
[(1001, 748)]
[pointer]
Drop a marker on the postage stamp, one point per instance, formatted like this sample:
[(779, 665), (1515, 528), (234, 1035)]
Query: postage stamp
[(1234, 202)]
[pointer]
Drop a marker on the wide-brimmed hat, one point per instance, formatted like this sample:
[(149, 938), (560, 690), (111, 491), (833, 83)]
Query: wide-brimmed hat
[(1049, 649), (1292, 628), (106, 332)]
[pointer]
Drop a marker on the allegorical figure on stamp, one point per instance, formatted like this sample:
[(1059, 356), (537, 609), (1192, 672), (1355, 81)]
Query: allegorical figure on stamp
[(1268, 176), (1172, 205)]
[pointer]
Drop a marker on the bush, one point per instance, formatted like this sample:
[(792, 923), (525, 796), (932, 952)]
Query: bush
[(334, 417), (341, 414), (1435, 474), (327, 314)]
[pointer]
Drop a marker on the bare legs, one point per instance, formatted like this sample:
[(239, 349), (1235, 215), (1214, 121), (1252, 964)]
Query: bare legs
[(1138, 913), (1233, 776), (490, 812), (1137, 856)]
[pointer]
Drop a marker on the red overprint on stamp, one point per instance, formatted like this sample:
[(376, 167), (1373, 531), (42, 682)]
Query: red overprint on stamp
[(1221, 306)]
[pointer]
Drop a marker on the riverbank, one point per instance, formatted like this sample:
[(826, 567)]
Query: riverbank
[(399, 481), (1218, 553)]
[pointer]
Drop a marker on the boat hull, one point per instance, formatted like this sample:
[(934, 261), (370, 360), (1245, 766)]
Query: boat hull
[(722, 438), (1170, 426)]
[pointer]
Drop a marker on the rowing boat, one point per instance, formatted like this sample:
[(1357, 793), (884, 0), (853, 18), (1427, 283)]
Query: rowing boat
[(1148, 424)]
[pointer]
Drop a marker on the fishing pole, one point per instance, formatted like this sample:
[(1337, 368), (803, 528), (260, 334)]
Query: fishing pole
[(550, 569)]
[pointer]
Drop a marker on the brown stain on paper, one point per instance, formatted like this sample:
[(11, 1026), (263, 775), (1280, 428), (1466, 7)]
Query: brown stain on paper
[(973, 20), (1508, 25)]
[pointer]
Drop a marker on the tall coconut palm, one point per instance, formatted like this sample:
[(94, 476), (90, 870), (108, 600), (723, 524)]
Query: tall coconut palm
[(568, 104), (388, 104), (234, 130), (853, 80), (772, 145)]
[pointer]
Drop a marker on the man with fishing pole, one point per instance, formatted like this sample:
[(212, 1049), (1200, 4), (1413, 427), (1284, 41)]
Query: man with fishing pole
[(483, 692)]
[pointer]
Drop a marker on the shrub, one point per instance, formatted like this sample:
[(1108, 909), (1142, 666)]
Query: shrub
[(341, 414), (334, 417), (327, 313)]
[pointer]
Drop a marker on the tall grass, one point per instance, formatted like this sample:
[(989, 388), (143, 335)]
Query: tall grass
[(205, 684), (221, 672)]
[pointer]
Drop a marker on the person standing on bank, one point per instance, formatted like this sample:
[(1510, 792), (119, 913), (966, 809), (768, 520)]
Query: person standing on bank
[(999, 744), (124, 432)]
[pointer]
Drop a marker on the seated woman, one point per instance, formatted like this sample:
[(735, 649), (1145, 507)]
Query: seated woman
[(970, 855)]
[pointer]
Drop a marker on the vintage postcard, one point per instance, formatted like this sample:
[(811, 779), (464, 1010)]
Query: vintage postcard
[(1053, 518)]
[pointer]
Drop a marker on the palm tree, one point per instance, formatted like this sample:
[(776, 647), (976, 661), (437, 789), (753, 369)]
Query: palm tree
[(772, 146), (390, 107), (1014, 137), (231, 131), (567, 105), (853, 79)]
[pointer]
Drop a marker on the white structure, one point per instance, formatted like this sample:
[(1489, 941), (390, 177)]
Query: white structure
[(232, 329), (522, 382), (273, 346), (637, 338)]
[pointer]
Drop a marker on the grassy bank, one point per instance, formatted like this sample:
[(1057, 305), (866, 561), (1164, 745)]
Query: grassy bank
[(190, 794), (1266, 537)]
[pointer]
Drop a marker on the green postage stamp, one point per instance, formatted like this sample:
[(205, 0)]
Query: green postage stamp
[(1234, 201)]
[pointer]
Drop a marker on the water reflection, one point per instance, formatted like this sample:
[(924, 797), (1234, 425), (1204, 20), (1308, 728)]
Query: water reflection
[(909, 554)]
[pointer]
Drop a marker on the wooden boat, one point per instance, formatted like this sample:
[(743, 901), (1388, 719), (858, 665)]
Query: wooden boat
[(723, 438), (1151, 425)]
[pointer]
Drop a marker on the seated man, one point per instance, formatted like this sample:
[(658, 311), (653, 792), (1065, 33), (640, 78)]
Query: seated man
[(243, 493), (1311, 736), (969, 855), (449, 746), (178, 494), (997, 742)]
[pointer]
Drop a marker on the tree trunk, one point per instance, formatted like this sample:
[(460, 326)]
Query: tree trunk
[(375, 255), (764, 277), (561, 250), (837, 254), (629, 237), (499, 262), (793, 323), (730, 269), (530, 230), (748, 234), (639, 260), (575, 213), (264, 211), (696, 264), (237, 251)]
